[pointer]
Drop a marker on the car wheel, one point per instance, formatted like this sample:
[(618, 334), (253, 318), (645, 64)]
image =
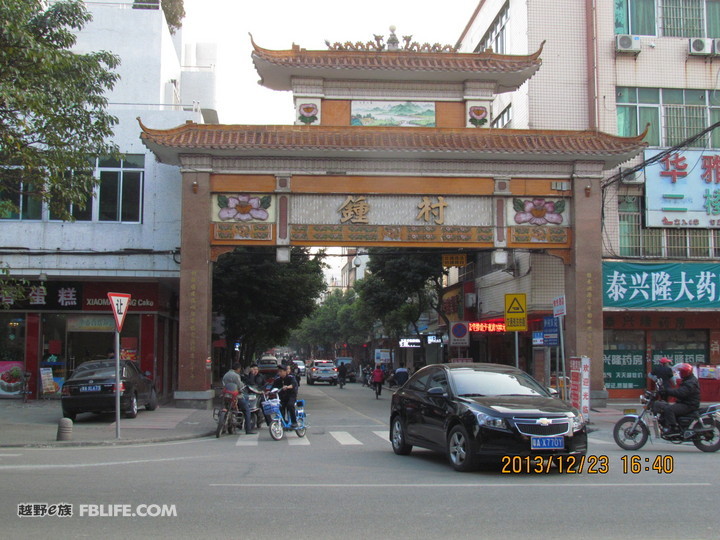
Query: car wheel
[(397, 438), (153, 401), (132, 409), (70, 415), (310, 382), (460, 450)]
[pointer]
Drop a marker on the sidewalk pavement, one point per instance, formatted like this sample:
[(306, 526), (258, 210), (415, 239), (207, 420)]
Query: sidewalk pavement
[(35, 424)]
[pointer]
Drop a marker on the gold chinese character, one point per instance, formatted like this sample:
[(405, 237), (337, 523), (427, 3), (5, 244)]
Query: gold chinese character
[(428, 210), (355, 210)]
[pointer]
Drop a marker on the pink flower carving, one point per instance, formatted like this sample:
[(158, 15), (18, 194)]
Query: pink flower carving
[(539, 212), (243, 208)]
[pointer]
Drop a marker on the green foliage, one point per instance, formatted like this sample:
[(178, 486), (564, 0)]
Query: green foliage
[(52, 105), (262, 300), (341, 318), (401, 286)]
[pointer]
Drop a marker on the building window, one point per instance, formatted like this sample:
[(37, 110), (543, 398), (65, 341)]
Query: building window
[(636, 241), (674, 115), (496, 37), (120, 190), (18, 204), (503, 119), (635, 17), (677, 18)]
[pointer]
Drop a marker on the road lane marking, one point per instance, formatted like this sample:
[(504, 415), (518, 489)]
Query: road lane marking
[(599, 441), (343, 437), (383, 435), (511, 485), (298, 441), (10, 455), (102, 464), (248, 440)]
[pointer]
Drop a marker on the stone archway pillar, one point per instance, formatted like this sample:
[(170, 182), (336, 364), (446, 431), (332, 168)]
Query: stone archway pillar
[(583, 278), (194, 374)]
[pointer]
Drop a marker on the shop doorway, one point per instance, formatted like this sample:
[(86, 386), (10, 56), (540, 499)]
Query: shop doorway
[(84, 346)]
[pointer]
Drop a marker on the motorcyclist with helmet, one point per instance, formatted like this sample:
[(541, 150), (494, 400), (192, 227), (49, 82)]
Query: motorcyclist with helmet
[(687, 395)]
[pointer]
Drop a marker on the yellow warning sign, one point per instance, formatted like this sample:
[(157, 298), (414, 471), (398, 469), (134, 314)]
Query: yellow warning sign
[(515, 313)]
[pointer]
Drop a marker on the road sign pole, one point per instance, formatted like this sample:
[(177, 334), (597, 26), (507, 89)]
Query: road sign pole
[(517, 351), (562, 355), (117, 384)]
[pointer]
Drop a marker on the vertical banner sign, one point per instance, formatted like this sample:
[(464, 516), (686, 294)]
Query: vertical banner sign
[(559, 306), (119, 303), (580, 384)]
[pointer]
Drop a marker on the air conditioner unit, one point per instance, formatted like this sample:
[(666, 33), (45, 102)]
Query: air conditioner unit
[(700, 46), (625, 43), (634, 178), (716, 46)]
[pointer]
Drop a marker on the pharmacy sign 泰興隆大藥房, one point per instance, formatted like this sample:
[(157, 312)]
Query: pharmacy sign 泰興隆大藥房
[(681, 285), (683, 190)]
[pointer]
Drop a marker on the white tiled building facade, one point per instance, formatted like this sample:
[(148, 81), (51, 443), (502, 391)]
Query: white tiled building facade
[(615, 66)]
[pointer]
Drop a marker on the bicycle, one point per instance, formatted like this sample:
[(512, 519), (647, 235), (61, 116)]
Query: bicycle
[(377, 386), (278, 423), (229, 418)]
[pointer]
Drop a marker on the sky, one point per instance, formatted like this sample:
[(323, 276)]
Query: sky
[(277, 24)]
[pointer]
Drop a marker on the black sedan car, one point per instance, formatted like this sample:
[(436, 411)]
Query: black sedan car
[(482, 413), (91, 388)]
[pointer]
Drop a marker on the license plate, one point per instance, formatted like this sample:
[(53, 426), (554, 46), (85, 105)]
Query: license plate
[(547, 443), (94, 388), (629, 411)]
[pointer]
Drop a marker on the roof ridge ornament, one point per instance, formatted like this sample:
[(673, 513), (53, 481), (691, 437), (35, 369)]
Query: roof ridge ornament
[(393, 45)]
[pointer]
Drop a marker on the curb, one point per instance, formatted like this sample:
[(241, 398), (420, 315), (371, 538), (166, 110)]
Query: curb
[(118, 442)]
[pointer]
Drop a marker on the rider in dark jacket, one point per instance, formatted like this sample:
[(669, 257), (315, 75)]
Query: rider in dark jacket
[(288, 387), (687, 396)]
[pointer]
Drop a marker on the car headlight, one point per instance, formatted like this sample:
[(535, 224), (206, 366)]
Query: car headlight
[(578, 421), (486, 420)]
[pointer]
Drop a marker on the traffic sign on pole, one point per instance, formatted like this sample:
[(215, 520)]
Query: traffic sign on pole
[(515, 313), (119, 303)]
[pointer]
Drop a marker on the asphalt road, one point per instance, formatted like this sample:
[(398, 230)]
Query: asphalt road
[(343, 480)]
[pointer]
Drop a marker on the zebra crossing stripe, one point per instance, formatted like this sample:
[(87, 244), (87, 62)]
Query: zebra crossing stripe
[(247, 440), (297, 441), (343, 437), (383, 435)]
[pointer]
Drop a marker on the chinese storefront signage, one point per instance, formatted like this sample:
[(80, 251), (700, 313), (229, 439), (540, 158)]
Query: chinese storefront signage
[(682, 285), (483, 327), (683, 189), (624, 369)]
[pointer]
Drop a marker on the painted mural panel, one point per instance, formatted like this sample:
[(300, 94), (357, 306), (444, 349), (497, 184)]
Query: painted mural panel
[(393, 113), (242, 207)]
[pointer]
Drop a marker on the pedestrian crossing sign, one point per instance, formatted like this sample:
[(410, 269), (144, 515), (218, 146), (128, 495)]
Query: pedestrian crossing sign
[(515, 313)]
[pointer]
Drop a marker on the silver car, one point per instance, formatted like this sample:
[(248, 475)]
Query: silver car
[(321, 371)]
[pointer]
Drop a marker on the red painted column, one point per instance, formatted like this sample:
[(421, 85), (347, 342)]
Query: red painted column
[(32, 350)]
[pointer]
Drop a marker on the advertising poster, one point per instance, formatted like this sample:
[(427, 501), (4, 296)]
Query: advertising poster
[(11, 379)]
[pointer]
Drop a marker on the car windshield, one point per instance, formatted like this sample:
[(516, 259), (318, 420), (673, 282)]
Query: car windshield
[(472, 383), (101, 370), (323, 364)]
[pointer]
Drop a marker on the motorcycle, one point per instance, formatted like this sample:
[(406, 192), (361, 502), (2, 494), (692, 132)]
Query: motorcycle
[(701, 427)]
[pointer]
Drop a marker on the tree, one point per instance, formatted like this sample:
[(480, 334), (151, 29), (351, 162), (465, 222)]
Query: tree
[(401, 286), (52, 106), (174, 11), (262, 301)]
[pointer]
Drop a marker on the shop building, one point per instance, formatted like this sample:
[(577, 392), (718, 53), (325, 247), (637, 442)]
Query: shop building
[(127, 238), (626, 68)]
